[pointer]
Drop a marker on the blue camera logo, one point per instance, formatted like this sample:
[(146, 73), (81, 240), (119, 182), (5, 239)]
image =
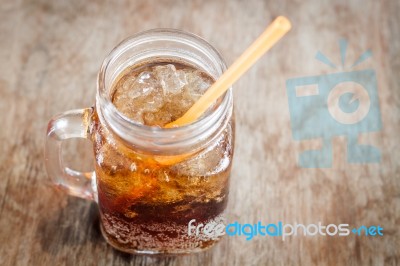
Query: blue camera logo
[(337, 104)]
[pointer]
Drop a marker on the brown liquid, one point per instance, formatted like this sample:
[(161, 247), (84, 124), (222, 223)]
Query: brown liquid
[(146, 206)]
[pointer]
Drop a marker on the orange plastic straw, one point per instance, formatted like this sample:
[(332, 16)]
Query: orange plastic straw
[(274, 32)]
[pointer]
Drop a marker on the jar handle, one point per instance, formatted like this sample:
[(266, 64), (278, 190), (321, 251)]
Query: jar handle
[(71, 124)]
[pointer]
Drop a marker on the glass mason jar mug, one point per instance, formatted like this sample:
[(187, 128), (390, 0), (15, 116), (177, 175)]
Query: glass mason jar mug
[(150, 182)]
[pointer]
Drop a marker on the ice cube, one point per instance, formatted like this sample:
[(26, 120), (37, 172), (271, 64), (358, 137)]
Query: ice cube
[(143, 85), (157, 119), (136, 109), (123, 105), (153, 102), (137, 117), (197, 84), (182, 76), (171, 80), (206, 162), (149, 119), (128, 83)]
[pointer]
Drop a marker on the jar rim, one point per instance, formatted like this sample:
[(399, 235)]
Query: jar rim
[(161, 139)]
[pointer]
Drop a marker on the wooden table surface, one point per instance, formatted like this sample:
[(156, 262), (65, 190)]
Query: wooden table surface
[(50, 52)]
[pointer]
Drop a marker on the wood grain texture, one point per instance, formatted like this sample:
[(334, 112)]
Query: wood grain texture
[(50, 52)]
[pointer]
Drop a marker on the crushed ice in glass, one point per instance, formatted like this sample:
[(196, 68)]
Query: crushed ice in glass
[(159, 94)]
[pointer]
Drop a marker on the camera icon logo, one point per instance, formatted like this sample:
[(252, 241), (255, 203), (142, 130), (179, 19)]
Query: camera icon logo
[(337, 104)]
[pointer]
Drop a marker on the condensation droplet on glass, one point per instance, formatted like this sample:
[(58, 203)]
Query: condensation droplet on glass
[(133, 167), (166, 176), (99, 158), (113, 169)]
